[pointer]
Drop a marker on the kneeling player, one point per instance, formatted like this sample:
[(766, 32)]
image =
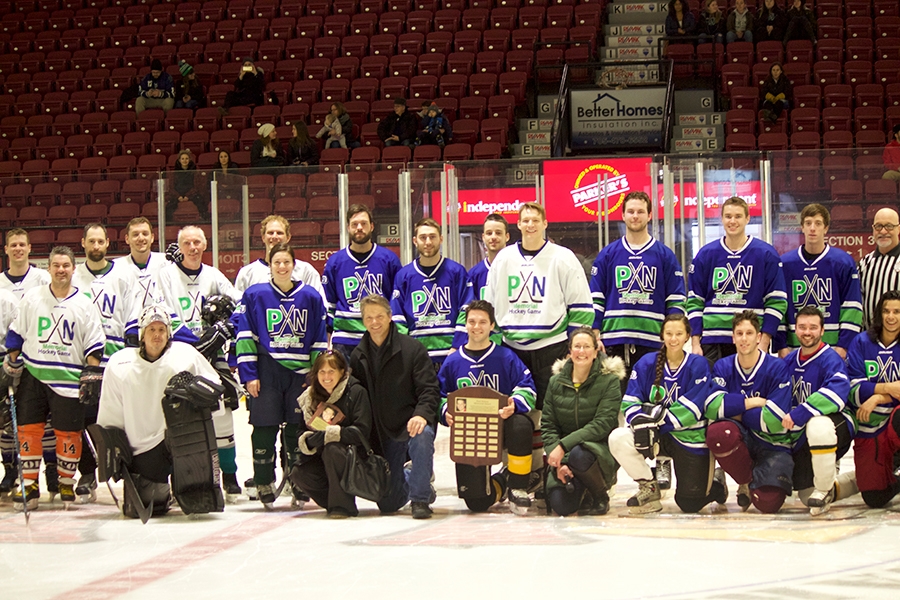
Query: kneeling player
[(481, 362), (747, 437), (820, 423), (666, 395), (160, 396), (872, 361)]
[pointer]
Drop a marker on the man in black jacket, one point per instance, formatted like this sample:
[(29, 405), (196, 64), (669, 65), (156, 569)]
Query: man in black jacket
[(399, 128), (403, 390)]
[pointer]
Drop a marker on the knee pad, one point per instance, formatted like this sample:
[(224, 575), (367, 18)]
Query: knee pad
[(517, 435), (722, 437), (821, 434), (768, 499)]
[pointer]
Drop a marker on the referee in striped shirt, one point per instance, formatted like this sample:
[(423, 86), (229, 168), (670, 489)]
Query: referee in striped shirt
[(879, 271)]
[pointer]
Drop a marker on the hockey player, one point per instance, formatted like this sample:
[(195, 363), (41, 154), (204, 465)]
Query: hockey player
[(142, 261), (820, 422), (276, 230), (873, 365), (822, 276), (540, 294), (111, 288), (55, 341), (737, 272), (185, 285), (360, 269), (747, 436), (664, 404), (8, 307), (635, 283), (134, 384), (281, 330), (17, 279), (482, 362), (494, 236), (430, 296)]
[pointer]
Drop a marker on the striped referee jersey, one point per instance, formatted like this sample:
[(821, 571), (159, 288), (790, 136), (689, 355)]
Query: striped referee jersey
[(878, 273)]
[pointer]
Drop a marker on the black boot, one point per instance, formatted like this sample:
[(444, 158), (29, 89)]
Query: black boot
[(596, 486)]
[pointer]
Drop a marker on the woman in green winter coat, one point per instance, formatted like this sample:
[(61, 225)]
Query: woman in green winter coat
[(581, 408)]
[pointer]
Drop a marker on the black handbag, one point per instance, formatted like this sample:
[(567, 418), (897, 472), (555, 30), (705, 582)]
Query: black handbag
[(367, 475)]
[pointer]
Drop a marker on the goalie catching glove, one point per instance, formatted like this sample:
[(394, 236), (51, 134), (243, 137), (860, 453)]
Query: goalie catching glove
[(199, 391), (645, 426), (89, 385)]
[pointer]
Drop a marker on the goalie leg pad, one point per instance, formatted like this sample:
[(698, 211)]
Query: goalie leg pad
[(113, 451), (482, 503), (191, 441), (472, 482)]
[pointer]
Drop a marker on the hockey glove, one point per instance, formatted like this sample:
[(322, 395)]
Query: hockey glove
[(89, 385), (12, 371), (234, 391), (645, 426), (197, 390), (174, 254), (5, 413), (214, 338)]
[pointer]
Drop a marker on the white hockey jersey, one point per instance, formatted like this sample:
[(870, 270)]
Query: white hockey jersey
[(147, 276), (34, 277), (184, 296), (114, 297)]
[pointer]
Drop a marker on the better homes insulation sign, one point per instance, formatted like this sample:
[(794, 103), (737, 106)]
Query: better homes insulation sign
[(617, 118)]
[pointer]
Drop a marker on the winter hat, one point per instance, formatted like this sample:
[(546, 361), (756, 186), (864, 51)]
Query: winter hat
[(156, 65), (185, 68), (265, 129)]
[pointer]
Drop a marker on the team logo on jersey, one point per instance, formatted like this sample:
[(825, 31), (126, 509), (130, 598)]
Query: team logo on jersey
[(432, 305), (480, 378), (660, 395), (883, 370), (730, 283), (815, 292), (106, 304), (286, 325), (190, 306), (56, 330), (635, 283), (800, 390), (526, 287), (361, 285)]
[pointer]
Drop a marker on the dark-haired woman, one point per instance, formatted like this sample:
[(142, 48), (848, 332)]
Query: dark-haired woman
[(680, 21), (275, 348), (302, 148), (776, 93), (680, 382), (581, 408), (187, 186), (319, 470)]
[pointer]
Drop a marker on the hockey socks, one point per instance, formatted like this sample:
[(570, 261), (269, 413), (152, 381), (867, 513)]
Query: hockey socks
[(263, 440)]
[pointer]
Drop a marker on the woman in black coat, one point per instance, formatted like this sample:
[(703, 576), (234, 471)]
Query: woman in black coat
[(266, 150), (249, 88), (186, 186), (770, 23), (345, 419), (776, 93), (302, 149)]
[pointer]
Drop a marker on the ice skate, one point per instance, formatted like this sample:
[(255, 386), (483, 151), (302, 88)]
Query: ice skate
[(664, 473), (86, 490), (250, 489), (8, 483), (743, 496), (32, 494), (230, 487), (298, 498), (267, 495), (719, 475), (67, 494), (647, 499), (819, 502), (519, 502)]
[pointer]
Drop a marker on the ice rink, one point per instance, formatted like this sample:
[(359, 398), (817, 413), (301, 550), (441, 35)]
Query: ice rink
[(91, 551)]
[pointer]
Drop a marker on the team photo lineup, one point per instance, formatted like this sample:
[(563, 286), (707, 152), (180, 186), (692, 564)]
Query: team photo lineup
[(751, 369)]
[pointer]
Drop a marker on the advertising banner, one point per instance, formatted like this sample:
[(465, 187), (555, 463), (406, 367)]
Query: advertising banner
[(475, 205), (617, 118)]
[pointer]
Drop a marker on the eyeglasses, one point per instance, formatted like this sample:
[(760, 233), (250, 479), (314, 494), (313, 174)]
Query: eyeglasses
[(889, 227)]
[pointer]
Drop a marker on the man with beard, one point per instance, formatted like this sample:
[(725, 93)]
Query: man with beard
[(360, 269), (430, 296), (142, 261), (878, 270), (111, 287)]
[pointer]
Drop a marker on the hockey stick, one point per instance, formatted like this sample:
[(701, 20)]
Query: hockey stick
[(15, 425), (144, 512), (284, 469)]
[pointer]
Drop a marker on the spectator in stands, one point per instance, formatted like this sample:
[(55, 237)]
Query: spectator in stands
[(188, 92), (332, 132), (186, 187), (740, 23), (400, 127), (891, 156), (249, 87), (340, 113), (711, 23), (225, 164), (770, 23), (302, 149), (801, 23), (423, 110), (157, 90), (776, 93), (435, 129), (680, 21), (266, 151)]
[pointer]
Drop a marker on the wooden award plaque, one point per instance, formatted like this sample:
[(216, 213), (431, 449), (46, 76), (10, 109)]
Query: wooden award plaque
[(476, 437)]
